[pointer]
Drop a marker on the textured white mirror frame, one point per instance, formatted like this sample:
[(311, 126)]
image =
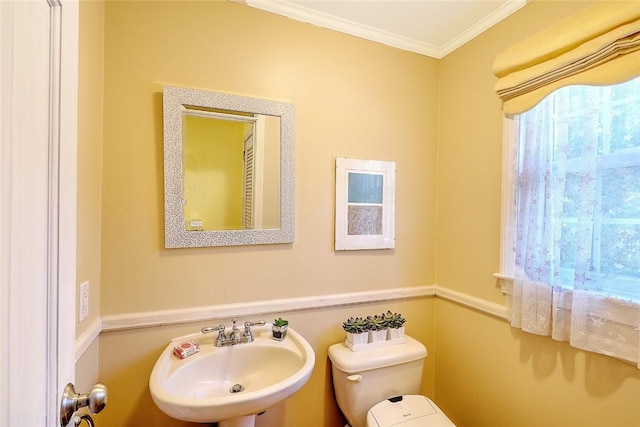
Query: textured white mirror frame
[(175, 99)]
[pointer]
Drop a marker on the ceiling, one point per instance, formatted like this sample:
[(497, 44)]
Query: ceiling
[(429, 27)]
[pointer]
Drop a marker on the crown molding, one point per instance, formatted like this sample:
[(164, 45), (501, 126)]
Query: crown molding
[(482, 25), (304, 14)]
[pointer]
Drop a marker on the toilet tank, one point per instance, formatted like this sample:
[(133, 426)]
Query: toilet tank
[(363, 378)]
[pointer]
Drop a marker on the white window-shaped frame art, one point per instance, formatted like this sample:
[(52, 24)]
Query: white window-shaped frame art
[(365, 204)]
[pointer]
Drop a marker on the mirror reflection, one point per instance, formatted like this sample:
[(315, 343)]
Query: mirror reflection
[(229, 169), (231, 178)]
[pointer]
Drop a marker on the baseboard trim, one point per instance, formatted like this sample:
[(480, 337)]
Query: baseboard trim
[(118, 322)]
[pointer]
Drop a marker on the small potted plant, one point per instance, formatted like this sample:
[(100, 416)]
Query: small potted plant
[(279, 328), (395, 325), (357, 329), (377, 328)]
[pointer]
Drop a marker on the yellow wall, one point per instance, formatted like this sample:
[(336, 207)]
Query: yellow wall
[(212, 172), (90, 113), (487, 373), (357, 99), (470, 156), (90, 117), (352, 98)]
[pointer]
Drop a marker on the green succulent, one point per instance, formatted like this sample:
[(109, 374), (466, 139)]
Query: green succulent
[(394, 320), (377, 323), (280, 322), (355, 325)]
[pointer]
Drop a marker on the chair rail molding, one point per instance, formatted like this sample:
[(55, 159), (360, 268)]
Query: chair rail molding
[(150, 319), (84, 341), (117, 322), (497, 310)]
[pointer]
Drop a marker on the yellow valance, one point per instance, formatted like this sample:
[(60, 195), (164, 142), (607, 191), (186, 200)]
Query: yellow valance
[(599, 45)]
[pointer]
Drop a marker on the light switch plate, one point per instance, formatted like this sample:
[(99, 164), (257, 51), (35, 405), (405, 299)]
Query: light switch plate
[(83, 311)]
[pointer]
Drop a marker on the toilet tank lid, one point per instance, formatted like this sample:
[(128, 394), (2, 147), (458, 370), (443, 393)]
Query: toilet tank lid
[(364, 360)]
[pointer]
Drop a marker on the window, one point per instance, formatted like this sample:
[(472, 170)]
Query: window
[(592, 135), (571, 187), (575, 216)]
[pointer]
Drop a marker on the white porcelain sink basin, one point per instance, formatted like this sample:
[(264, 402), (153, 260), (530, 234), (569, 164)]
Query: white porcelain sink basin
[(198, 388)]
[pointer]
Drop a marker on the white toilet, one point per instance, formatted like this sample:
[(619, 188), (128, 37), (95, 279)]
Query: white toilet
[(379, 387)]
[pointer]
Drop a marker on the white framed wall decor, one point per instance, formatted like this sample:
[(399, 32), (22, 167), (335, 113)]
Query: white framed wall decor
[(365, 204)]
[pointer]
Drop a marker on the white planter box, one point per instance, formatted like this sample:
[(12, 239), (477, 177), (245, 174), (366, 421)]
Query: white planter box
[(279, 332), (364, 341), (357, 339), (377, 336), (395, 333)]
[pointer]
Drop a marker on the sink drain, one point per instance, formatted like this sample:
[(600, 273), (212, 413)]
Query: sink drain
[(237, 388)]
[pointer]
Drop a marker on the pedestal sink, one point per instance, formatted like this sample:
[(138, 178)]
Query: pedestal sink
[(230, 384)]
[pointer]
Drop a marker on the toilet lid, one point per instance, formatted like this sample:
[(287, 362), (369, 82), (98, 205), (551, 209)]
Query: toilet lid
[(407, 411)]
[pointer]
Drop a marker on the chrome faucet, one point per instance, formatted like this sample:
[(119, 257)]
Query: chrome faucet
[(235, 336), (222, 338), (247, 335)]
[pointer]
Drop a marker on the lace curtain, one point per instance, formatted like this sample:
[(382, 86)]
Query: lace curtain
[(577, 219)]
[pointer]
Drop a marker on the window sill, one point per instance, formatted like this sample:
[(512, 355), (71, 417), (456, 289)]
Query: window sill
[(504, 279)]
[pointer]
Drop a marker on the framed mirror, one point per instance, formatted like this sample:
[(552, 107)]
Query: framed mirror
[(228, 169)]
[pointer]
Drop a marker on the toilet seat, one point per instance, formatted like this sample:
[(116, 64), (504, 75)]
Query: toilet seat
[(407, 411)]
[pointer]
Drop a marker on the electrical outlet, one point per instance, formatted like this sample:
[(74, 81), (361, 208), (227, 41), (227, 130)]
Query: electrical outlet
[(83, 311)]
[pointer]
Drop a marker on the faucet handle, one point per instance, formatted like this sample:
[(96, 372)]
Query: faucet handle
[(220, 329), (248, 324), (248, 334)]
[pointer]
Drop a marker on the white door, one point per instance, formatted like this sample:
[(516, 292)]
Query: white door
[(38, 135), (248, 181)]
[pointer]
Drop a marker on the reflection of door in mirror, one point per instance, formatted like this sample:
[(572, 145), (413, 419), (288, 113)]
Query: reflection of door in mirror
[(249, 217), (228, 174), (267, 166)]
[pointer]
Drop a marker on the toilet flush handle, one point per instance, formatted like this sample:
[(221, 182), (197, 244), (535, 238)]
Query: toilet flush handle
[(355, 378)]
